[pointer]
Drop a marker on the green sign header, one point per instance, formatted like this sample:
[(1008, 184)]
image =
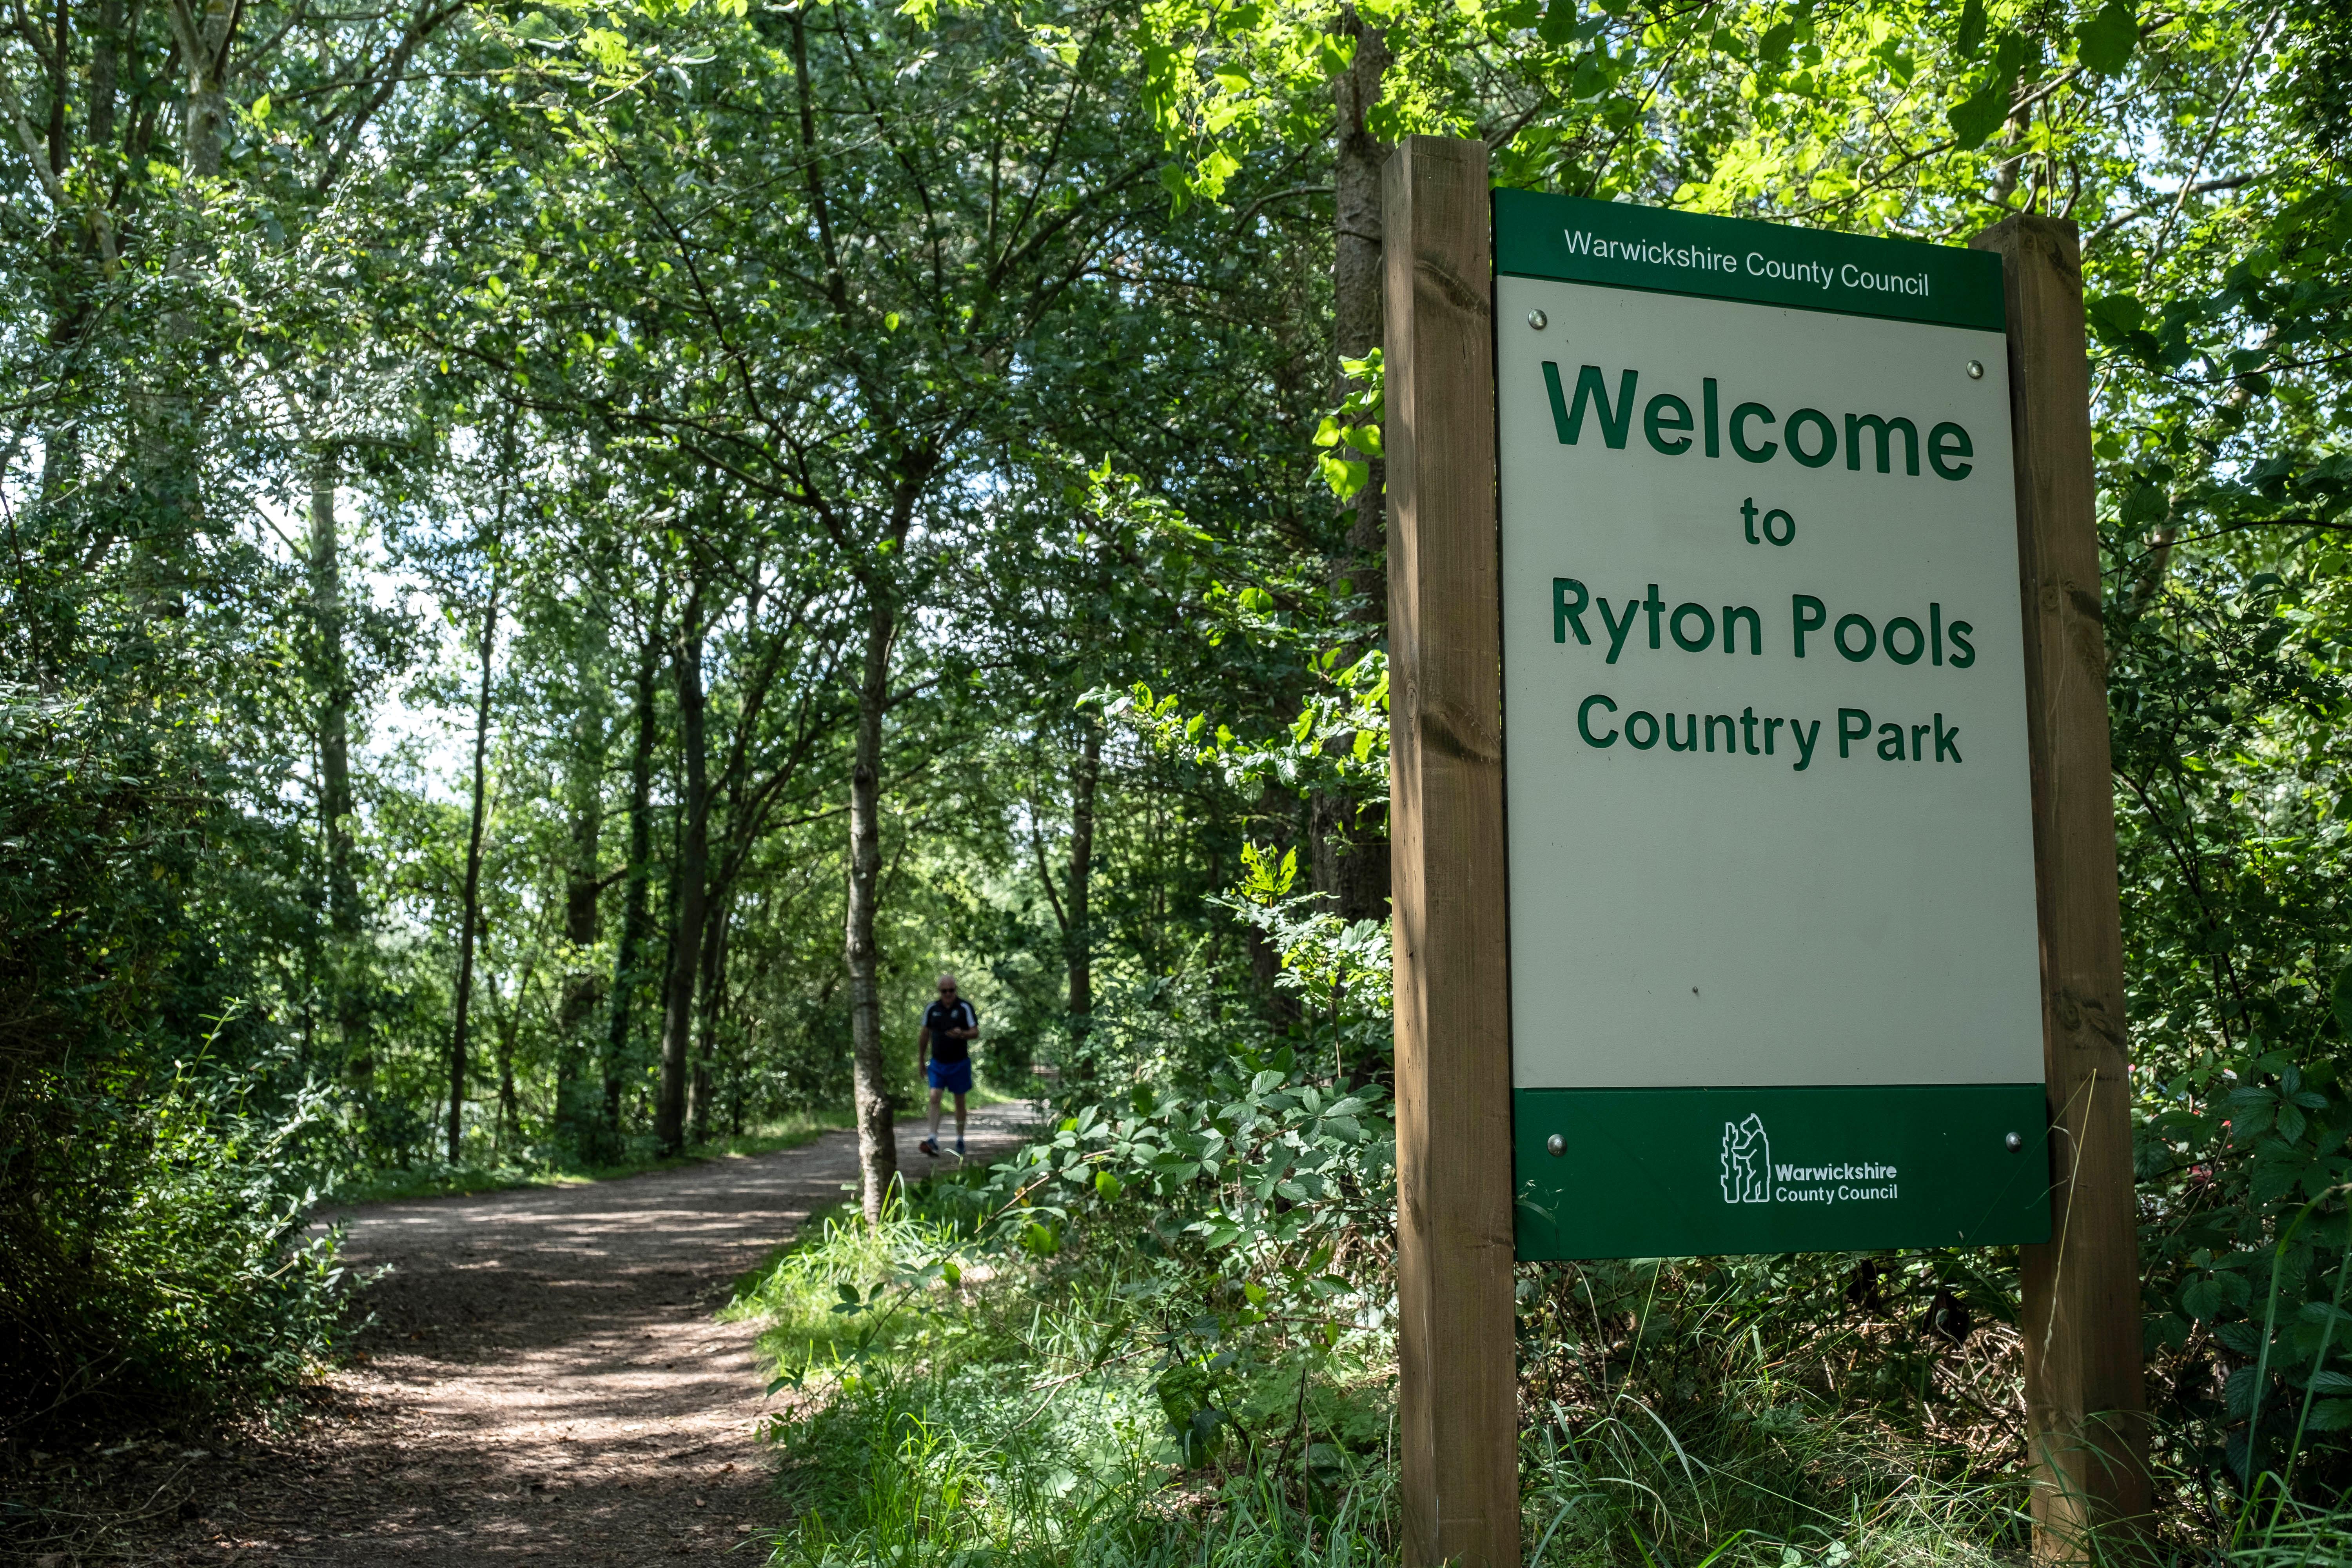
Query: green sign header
[(1627, 246)]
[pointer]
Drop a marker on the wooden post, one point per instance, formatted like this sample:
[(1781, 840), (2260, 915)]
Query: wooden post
[(2086, 1408), (1457, 1416)]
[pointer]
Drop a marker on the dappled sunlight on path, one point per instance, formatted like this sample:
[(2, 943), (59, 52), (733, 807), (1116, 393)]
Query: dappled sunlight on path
[(543, 1377)]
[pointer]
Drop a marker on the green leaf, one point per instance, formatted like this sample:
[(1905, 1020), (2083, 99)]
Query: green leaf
[(2332, 1415), (2238, 1393), (1978, 116), (2116, 316), (2342, 996), (1109, 1185), (2104, 43), (1972, 29), (2146, 505), (2241, 1336), (1344, 477), (2275, 1168)]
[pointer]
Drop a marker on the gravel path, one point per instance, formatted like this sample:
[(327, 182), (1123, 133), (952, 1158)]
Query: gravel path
[(544, 1380)]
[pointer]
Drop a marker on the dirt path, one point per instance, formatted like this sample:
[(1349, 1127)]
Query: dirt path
[(544, 1380)]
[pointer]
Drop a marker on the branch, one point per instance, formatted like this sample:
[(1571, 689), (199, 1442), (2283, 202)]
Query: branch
[(2199, 188), (1038, 842), (98, 220)]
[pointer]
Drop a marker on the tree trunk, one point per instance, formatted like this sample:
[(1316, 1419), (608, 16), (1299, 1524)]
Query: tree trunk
[(877, 1135), (714, 973), (203, 40), (636, 919), (331, 682), (692, 882), (1079, 937), (1358, 157), (1348, 858), (472, 897), (509, 1125), (575, 1102), (334, 688)]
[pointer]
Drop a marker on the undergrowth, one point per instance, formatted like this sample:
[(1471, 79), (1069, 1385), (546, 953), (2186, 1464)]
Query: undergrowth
[(965, 1384), (951, 1401), (950, 1404)]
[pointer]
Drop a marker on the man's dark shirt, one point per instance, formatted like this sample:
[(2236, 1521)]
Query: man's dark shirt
[(941, 1017)]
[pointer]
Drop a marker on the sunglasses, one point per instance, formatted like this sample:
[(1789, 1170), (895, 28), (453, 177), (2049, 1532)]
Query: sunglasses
[(947, 990)]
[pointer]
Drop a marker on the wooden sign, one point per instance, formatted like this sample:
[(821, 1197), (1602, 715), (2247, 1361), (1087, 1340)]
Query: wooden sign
[(1775, 980), (1762, 561)]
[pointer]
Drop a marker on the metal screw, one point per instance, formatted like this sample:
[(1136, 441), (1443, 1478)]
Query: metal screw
[(1537, 320), (1557, 1145), (2014, 1142), (1976, 370)]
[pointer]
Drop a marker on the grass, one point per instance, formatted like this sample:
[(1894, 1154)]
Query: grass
[(1007, 1418), (1763, 1477), (952, 1405), (439, 1179)]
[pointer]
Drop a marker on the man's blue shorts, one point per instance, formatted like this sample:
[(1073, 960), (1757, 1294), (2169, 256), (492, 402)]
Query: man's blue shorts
[(953, 1077)]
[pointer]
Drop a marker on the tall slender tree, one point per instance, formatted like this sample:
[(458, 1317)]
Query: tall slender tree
[(469, 901)]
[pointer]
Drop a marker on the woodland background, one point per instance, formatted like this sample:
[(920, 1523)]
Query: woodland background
[(561, 559)]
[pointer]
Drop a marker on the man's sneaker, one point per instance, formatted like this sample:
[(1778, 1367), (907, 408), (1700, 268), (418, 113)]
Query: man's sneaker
[(958, 1148), (930, 1147)]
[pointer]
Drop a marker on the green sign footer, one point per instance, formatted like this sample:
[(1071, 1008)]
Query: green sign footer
[(1656, 1173)]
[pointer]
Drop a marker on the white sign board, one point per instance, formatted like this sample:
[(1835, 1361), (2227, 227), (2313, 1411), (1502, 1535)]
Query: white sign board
[(1768, 798)]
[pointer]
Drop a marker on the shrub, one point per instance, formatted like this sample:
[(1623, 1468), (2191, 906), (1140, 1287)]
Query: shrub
[(156, 1164)]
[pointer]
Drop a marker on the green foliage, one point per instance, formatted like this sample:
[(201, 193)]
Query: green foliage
[(1341, 971), (1768, 1476), (1034, 1403), (157, 1167), (714, 337), (2104, 43), (1139, 1342), (1353, 427), (1338, 742), (2227, 623)]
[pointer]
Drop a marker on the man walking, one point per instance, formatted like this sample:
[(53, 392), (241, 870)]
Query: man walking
[(943, 1049)]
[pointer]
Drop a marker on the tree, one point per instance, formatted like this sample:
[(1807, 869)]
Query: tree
[(840, 382)]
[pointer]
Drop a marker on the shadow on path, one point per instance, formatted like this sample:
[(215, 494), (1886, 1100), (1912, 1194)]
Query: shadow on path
[(543, 1378)]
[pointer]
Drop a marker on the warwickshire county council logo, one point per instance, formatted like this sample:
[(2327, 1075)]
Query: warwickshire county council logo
[(1747, 1163), (1750, 1177)]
